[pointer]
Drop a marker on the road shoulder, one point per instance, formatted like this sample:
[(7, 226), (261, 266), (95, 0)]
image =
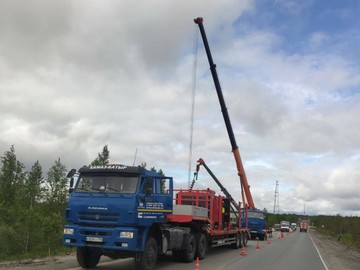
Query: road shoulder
[(335, 254)]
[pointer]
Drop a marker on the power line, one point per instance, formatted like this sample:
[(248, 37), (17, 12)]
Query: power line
[(276, 199)]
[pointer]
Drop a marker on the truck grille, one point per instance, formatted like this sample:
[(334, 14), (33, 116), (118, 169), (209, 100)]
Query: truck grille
[(96, 219)]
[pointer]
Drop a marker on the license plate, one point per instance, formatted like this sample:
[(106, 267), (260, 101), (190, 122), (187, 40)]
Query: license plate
[(94, 239)]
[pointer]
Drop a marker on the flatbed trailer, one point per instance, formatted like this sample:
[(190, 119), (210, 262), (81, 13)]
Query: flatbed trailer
[(203, 209)]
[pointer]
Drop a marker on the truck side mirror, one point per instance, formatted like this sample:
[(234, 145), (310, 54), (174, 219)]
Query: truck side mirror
[(71, 188), (71, 173)]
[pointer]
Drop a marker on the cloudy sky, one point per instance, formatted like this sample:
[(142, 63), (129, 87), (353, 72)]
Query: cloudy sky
[(78, 75)]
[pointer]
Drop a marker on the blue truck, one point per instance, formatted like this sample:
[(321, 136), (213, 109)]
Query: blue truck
[(128, 211), (256, 222)]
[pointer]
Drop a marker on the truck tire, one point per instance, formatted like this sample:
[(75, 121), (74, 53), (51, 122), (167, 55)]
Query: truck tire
[(261, 237), (147, 259), (88, 257), (201, 246), (188, 254), (237, 244)]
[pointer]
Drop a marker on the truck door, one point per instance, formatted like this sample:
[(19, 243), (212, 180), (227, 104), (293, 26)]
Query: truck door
[(155, 200)]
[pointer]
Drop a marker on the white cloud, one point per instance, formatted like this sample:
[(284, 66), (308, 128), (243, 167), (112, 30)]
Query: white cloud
[(76, 75)]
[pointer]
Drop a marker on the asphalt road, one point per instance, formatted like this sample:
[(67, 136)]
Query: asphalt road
[(295, 251)]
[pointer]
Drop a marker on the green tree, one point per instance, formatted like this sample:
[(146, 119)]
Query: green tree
[(57, 186), (33, 193), (52, 227), (33, 187), (11, 178), (56, 200), (102, 158)]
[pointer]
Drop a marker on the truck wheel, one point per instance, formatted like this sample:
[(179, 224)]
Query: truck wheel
[(201, 246), (237, 244), (147, 259), (188, 254), (88, 257), (261, 237)]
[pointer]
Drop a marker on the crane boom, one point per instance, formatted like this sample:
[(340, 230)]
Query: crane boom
[(234, 206), (234, 147)]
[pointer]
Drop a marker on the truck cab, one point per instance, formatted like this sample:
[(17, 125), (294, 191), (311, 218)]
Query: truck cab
[(111, 209), (256, 222), (304, 226)]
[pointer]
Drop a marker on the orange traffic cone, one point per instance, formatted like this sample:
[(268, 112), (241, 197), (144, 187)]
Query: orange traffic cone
[(282, 235), (258, 245), (197, 264), (243, 252)]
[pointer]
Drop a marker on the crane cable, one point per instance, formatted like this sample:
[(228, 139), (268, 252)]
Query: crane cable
[(193, 88)]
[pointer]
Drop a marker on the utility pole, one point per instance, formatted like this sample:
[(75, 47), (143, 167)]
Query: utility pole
[(276, 199)]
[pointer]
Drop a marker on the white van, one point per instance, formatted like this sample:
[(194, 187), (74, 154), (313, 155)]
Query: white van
[(285, 226)]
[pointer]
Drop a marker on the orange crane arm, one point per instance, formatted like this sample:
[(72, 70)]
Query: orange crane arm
[(235, 149)]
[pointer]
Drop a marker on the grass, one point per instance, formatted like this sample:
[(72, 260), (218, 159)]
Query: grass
[(345, 238), (36, 255)]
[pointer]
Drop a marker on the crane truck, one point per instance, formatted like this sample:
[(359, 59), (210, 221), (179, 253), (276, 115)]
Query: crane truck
[(128, 211), (255, 219), (124, 211)]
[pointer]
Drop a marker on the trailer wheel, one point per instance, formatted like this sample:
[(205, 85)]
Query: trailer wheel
[(88, 257), (237, 244), (201, 246), (188, 254), (146, 260)]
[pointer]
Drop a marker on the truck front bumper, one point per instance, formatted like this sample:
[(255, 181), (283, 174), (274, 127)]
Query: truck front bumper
[(119, 238)]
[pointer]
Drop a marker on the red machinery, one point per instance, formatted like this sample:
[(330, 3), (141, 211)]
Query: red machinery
[(209, 214)]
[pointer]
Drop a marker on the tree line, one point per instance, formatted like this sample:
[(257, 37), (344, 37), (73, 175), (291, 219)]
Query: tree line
[(344, 229), (32, 206)]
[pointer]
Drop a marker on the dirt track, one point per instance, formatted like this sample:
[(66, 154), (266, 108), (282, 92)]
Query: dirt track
[(337, 256)]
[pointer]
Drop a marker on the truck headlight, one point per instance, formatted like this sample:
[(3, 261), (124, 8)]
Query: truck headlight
[(68, 231), (126, 234)]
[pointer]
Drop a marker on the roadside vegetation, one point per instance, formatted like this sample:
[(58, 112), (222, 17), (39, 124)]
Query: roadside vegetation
[(32, 207), (344, 229)]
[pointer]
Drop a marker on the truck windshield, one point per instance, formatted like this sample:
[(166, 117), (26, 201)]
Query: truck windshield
[(255, 215), (251, 214), (107, 184)]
